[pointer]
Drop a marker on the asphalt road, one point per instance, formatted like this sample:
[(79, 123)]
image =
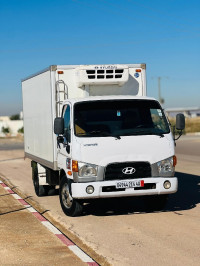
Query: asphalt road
[(122, 231), (188, 145), (11, 144)]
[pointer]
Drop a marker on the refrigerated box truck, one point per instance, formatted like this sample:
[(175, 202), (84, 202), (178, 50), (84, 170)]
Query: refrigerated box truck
[(92, 131)]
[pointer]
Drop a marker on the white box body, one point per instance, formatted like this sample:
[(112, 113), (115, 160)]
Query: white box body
[(39, 99)]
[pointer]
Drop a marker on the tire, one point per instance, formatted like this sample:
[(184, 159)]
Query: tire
[(156, 202), (40, 190), (71, 207)]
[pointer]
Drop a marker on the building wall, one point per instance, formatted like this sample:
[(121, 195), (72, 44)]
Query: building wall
[(4, 118), (13, 125)]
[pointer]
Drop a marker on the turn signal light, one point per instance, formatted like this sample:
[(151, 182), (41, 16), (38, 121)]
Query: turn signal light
[(60, 72), (174, 160), (74, 166), (138, 70)]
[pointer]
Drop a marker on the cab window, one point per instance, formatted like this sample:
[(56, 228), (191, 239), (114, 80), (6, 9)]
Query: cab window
[(66, 116)]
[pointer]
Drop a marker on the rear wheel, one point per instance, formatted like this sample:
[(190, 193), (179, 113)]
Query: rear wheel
[(70, 206), (40, 190)]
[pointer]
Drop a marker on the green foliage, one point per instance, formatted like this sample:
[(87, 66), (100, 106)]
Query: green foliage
[(15, 117), (5, 130), (192, 125), (173, 127), (21, 130)]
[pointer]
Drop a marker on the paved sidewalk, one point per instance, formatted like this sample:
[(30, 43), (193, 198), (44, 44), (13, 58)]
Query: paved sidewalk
[(25, 240)]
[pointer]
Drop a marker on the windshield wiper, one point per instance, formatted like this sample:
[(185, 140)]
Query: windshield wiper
[(158, 134), (138, 132), (104, 133), (99, 133), (94, 132), (144, 132)]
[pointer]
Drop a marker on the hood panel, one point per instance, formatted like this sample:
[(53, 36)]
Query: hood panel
[(104, 150)]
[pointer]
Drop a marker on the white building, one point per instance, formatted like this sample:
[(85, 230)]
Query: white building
[(4, 118), (187, 111), (13, 125)]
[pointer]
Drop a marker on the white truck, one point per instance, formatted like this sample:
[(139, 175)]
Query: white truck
[(91, 130)]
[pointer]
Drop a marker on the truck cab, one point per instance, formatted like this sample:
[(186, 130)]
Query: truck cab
[(114, 147)]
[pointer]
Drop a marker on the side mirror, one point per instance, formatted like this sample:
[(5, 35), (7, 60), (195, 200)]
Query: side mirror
[(59, 126), (180, 122), (180, 125)]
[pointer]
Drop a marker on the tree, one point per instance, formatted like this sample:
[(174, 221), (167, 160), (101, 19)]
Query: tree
[(5, 130), (21, 130), (15, 117)]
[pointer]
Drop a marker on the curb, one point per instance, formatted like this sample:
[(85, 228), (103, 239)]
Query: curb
[(66, 241), (193, 134)]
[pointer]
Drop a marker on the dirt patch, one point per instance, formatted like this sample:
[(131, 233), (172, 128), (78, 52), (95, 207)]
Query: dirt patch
[(17, 139)]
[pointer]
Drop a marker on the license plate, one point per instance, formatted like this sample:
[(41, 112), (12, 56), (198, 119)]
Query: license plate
[(130, 184)]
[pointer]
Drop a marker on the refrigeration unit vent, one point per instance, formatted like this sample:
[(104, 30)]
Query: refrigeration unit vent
[(102, 75), (105, 74)]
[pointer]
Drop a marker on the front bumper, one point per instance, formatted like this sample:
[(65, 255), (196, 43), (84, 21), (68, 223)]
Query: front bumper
[(106, 189)]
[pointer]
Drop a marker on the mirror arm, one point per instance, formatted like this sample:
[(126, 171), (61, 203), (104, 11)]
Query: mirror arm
[(58, 143), (180, 134), (174, 131), (68, 148), (59, 140)]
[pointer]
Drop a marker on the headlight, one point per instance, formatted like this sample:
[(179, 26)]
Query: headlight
[(166, 167), (87, 170)]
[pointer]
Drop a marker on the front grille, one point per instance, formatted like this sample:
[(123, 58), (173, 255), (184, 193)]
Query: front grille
[(123, 170)]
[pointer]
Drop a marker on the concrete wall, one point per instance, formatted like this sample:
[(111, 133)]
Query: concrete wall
[(4, 118)]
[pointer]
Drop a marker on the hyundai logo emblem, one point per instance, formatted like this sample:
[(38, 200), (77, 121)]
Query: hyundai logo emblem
[(128, 170)]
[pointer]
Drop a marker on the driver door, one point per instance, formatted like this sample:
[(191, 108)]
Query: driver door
[(64, 151)]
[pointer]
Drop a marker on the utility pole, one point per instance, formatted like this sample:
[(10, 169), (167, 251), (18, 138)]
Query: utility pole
[(161, 100)]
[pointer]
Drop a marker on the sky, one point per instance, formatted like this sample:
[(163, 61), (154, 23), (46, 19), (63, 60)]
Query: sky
[(165, 35)]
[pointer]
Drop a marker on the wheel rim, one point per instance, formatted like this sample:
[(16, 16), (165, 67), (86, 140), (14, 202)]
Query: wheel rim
[(66, 197)]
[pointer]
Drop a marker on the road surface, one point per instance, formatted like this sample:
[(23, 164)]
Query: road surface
[(121, 231), (11, 144)]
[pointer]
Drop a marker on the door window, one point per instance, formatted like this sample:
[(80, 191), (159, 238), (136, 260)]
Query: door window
[(67, 129)]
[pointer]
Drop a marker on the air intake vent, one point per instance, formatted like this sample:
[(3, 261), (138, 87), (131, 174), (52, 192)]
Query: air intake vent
[(90, 72), (118, 170), (104, 74)]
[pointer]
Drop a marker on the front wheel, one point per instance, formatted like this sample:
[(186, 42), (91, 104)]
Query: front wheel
[(70, 206)]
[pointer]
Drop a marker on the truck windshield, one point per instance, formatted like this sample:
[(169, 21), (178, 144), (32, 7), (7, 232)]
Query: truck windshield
[(119, 118)]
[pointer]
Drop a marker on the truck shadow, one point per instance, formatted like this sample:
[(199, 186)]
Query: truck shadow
[(187, 197)]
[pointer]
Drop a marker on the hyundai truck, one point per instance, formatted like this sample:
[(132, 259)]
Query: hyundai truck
[(92, 131)]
